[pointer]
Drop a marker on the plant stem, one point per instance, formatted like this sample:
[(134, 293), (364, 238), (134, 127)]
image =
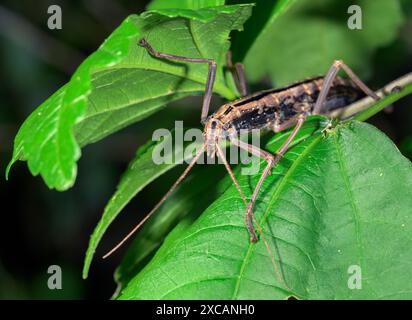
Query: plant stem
[(365, 108)]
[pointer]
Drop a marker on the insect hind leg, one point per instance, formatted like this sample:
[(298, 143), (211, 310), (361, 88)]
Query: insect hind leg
[(328, 81)]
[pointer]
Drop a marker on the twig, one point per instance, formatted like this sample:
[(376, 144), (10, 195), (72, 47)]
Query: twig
[(365, 108)]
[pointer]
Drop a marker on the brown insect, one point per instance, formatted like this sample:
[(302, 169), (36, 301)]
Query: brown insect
[(275, 109)]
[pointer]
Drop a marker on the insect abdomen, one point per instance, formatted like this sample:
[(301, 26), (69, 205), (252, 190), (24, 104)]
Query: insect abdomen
[(257, 118), (264, 108)]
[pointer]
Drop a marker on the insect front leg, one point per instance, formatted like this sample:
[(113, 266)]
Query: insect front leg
[(328, 80), (210, 76)]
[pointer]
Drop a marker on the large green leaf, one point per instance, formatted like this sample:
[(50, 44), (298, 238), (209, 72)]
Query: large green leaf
[(306, 39), (339, 198), (121, 83)]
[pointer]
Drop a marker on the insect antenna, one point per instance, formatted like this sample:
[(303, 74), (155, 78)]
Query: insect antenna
[(172, 188)]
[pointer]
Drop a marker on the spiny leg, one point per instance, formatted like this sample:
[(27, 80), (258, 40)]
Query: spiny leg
[(328, 81), (173, 187), (210, 76), (238, 72)]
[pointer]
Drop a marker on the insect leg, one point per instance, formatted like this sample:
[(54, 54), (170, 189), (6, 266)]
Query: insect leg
[(328, 80), (269, 158), (284, 125), (271, 162), (178, 181), (249, 224), (238, 72), (210, 76)]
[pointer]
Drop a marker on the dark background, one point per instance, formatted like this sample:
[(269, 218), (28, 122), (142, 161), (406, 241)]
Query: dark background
[(40, 227)]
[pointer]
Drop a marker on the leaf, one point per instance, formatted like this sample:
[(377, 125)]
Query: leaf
[(187, 203), (46, 139), (141, 172), (184, 4), (121, 84), (137, 250), (307, 38), (337, 200), (142, 85)]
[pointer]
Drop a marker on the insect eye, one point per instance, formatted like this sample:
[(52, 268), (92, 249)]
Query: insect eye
[(213, 124)]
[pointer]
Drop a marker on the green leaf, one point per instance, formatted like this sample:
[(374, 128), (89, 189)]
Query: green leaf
[(141, 172), (184, 4), (46, 139), (186, 203), (138, 251), (307, 38), (339, 199), (121, 84)]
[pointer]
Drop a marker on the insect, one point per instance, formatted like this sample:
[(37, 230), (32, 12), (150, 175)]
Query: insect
[(274, 109)]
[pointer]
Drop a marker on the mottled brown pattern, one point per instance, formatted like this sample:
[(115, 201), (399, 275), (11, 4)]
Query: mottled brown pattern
[(267, 108)]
